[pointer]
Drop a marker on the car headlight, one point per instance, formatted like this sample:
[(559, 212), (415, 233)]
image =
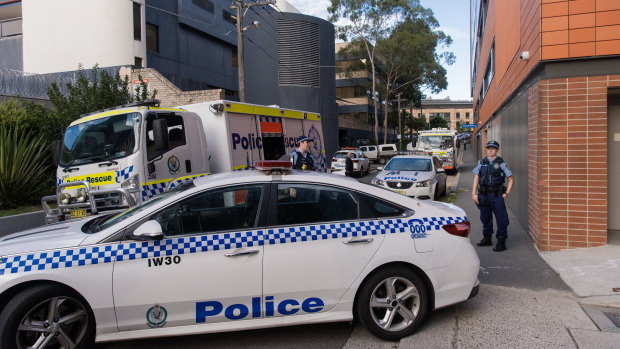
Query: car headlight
[(423, 183), (65, 198), (376, 181), (81, 195), (132, 184)]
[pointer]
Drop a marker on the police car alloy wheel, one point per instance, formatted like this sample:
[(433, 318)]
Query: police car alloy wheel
[(392, 303), (46, 316)]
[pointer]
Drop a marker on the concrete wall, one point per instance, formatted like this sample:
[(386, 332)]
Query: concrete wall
[(62, 33)]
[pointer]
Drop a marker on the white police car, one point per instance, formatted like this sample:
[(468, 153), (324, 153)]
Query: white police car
[(237, 251), (419, 176)]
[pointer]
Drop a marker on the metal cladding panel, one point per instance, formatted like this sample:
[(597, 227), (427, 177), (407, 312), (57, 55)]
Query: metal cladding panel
[(298, 53), (313, 129), (514, 149), (245, 141), (292, 130)]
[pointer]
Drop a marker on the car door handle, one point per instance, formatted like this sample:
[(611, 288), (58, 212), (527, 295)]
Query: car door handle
[(358, 241), (242, 253)]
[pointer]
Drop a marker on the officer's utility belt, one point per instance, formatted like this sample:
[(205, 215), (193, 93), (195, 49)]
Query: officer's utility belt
[(497, 189)]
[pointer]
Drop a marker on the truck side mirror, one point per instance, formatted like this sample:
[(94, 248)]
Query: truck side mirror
[(56, 148), (160, 134)]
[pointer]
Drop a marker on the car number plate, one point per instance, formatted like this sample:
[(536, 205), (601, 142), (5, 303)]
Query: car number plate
[(78, 213), (402, 192)]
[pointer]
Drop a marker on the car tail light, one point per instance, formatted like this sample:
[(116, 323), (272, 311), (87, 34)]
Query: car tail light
[(458, 229), (355, 161), (334, 160)]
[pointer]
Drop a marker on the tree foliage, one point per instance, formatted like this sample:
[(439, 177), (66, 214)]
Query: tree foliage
[(438, 121), (98, 90)]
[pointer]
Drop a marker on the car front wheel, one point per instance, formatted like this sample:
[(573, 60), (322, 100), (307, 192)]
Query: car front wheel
[(46, 316), (392, 303)]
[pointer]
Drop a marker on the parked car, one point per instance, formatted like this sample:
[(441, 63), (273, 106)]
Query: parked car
[(236, 251), (381, 153), (419, 176), (361, 164)]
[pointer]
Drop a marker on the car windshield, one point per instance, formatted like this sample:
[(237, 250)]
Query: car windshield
[(343, 155), (435, 142), (101, 139), (106, 223), (404, 164)]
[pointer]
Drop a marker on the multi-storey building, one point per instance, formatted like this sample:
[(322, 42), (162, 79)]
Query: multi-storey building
[(546, 85), (356, 115), (289, 56), (455, 112)]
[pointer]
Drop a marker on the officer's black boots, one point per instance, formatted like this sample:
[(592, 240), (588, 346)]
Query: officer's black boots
[(501, 245), (486, 241)]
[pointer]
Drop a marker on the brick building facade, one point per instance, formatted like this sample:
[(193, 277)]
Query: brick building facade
[(546, 77)]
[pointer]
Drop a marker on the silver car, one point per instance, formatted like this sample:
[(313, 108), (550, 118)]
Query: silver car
[(419, 176)]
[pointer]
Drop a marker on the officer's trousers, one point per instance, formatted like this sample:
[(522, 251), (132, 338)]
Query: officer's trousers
[(493, 204)]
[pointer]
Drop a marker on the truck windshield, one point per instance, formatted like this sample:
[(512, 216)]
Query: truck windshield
[(101, 139), (435, 142)]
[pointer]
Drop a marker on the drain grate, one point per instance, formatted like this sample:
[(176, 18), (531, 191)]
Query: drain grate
[(614, 317), (605, 318)]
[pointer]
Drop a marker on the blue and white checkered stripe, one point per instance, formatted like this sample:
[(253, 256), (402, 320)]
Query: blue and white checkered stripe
[(150, 190), (123, 174), (98, 254)]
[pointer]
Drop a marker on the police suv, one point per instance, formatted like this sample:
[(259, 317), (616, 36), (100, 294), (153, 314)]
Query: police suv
[(419, 176), (236, 251)]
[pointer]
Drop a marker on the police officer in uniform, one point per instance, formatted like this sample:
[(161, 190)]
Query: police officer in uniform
[(489, 194), (302, 158)]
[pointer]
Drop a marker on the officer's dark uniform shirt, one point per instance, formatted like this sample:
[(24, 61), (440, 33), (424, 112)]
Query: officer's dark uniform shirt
[(304, 163), (492, 173)]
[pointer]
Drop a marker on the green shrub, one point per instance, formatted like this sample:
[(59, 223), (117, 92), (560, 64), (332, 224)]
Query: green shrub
[(24, 166)]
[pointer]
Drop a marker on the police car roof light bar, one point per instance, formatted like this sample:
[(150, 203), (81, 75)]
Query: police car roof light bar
[(458, 229), (273, 165)]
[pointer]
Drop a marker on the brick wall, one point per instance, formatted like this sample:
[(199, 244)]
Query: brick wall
[(168, 94), (568, 172)]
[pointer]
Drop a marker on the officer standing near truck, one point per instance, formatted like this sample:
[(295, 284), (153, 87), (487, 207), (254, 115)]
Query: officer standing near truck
[(489, 194), (302, 158)]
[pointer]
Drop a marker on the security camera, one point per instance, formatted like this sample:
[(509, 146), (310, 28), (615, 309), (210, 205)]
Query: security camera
[(525, 55)]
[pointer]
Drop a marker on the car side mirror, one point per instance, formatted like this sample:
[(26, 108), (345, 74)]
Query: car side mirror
[(441, 170), (147, 231), (380, 168)]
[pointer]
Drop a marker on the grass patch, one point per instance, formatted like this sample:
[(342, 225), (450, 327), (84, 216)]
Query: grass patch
[(20, 210), (450, 198)]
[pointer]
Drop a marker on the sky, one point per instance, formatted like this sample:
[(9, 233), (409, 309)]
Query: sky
[(453, 18)]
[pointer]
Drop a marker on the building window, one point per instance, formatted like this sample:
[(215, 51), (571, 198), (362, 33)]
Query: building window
[(466, 115), (458, 115), (138, 62), (137, 22), (490, 71), (204, 4), (228, 17), (152, 37)]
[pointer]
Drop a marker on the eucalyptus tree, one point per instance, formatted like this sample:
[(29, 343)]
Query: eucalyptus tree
[(365, 22)]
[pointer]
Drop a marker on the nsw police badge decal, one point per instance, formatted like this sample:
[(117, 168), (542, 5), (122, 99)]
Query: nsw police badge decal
[(156, 316), (496, 166)]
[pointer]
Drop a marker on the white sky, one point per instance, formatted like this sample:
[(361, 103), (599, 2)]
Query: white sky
[(453, 17)]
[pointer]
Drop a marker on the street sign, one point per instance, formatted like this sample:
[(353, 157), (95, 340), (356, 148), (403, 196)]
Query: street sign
[(469, 125)]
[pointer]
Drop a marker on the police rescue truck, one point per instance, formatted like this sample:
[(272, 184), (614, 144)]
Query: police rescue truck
[(440, 142), (117, 158)]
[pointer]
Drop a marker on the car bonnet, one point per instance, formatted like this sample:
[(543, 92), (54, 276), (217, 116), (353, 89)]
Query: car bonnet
[(53, 236), (404, 176)]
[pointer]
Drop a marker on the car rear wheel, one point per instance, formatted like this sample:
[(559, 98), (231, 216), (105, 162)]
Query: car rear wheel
[(392, 303), (46, 316)]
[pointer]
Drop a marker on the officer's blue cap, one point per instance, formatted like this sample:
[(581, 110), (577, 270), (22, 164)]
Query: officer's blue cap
[(304, 138), (492, 144)]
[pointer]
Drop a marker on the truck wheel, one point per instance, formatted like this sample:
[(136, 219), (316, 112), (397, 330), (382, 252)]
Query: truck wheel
[(392, 303), (47, 316)]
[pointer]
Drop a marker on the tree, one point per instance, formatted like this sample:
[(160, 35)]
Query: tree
[(438, 122), (98, 91), (367, 21), (409, 55)]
